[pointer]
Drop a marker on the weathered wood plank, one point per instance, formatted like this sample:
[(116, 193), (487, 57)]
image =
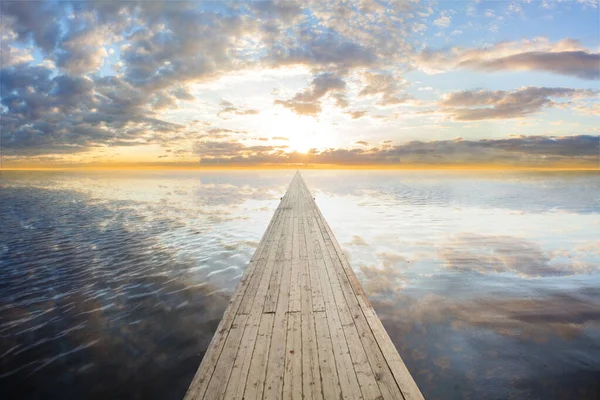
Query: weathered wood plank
[(329, 377), (276, 363), (255, 383), (222, 372), (315, 285), (294, 304), (292, 378)]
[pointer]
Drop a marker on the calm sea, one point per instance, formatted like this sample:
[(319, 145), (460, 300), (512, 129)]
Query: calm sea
[(112, 283)]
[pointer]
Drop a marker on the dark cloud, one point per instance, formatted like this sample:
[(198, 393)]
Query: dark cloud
[(472, 105), (66, 114), (40, 24), (362, 143), (219, 152), (286, 11)]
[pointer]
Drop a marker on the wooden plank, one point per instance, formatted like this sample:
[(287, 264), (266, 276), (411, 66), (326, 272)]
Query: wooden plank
[(266, 267), (220, 377), (277, 268), (294, 303), (315, 285), (258, 367), (329, 377), (292, 378), (276, 363), (299, 325), (311, 372), (241, 365)]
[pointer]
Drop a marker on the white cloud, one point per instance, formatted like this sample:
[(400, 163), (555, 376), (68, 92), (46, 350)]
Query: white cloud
[(443, 21)]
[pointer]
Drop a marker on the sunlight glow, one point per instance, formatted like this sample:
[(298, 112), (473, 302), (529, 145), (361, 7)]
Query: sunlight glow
[(303, 132)]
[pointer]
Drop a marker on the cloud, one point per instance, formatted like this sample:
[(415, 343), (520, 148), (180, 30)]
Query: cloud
[(288, 11), (109, 74), (580, 64), (357, 114), (73, 39), (385, 85), (163, 47), (473, 105), (46, 114), (443, 21), (308, 102), (229, 108), (226, 151), (532, 151), (565, 57), (9, 54), (362, 143)]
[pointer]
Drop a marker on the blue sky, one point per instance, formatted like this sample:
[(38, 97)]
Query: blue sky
[(338, 82)]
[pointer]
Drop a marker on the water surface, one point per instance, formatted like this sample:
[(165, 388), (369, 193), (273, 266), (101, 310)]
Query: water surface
[(112, 284)]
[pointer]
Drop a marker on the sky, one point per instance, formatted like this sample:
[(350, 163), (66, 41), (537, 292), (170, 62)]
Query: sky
[(396, 83)]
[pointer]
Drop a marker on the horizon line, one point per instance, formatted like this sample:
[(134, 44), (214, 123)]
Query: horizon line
[(464, 167)]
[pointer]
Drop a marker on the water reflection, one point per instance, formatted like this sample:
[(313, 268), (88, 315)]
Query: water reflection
[(111, 285), (487, 284)]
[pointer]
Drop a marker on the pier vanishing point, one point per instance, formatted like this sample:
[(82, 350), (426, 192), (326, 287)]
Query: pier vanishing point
[(299, 325)]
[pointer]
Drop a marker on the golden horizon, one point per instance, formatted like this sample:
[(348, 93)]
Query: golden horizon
[(233, 167)]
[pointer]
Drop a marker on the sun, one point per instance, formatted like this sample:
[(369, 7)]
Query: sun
[(303, 132), (301, 143)]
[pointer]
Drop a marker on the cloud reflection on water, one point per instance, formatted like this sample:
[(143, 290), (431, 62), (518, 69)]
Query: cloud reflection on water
[(486, 254), (486, 283)]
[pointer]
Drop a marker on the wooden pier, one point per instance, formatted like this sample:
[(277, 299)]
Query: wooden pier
[(299, 325)]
